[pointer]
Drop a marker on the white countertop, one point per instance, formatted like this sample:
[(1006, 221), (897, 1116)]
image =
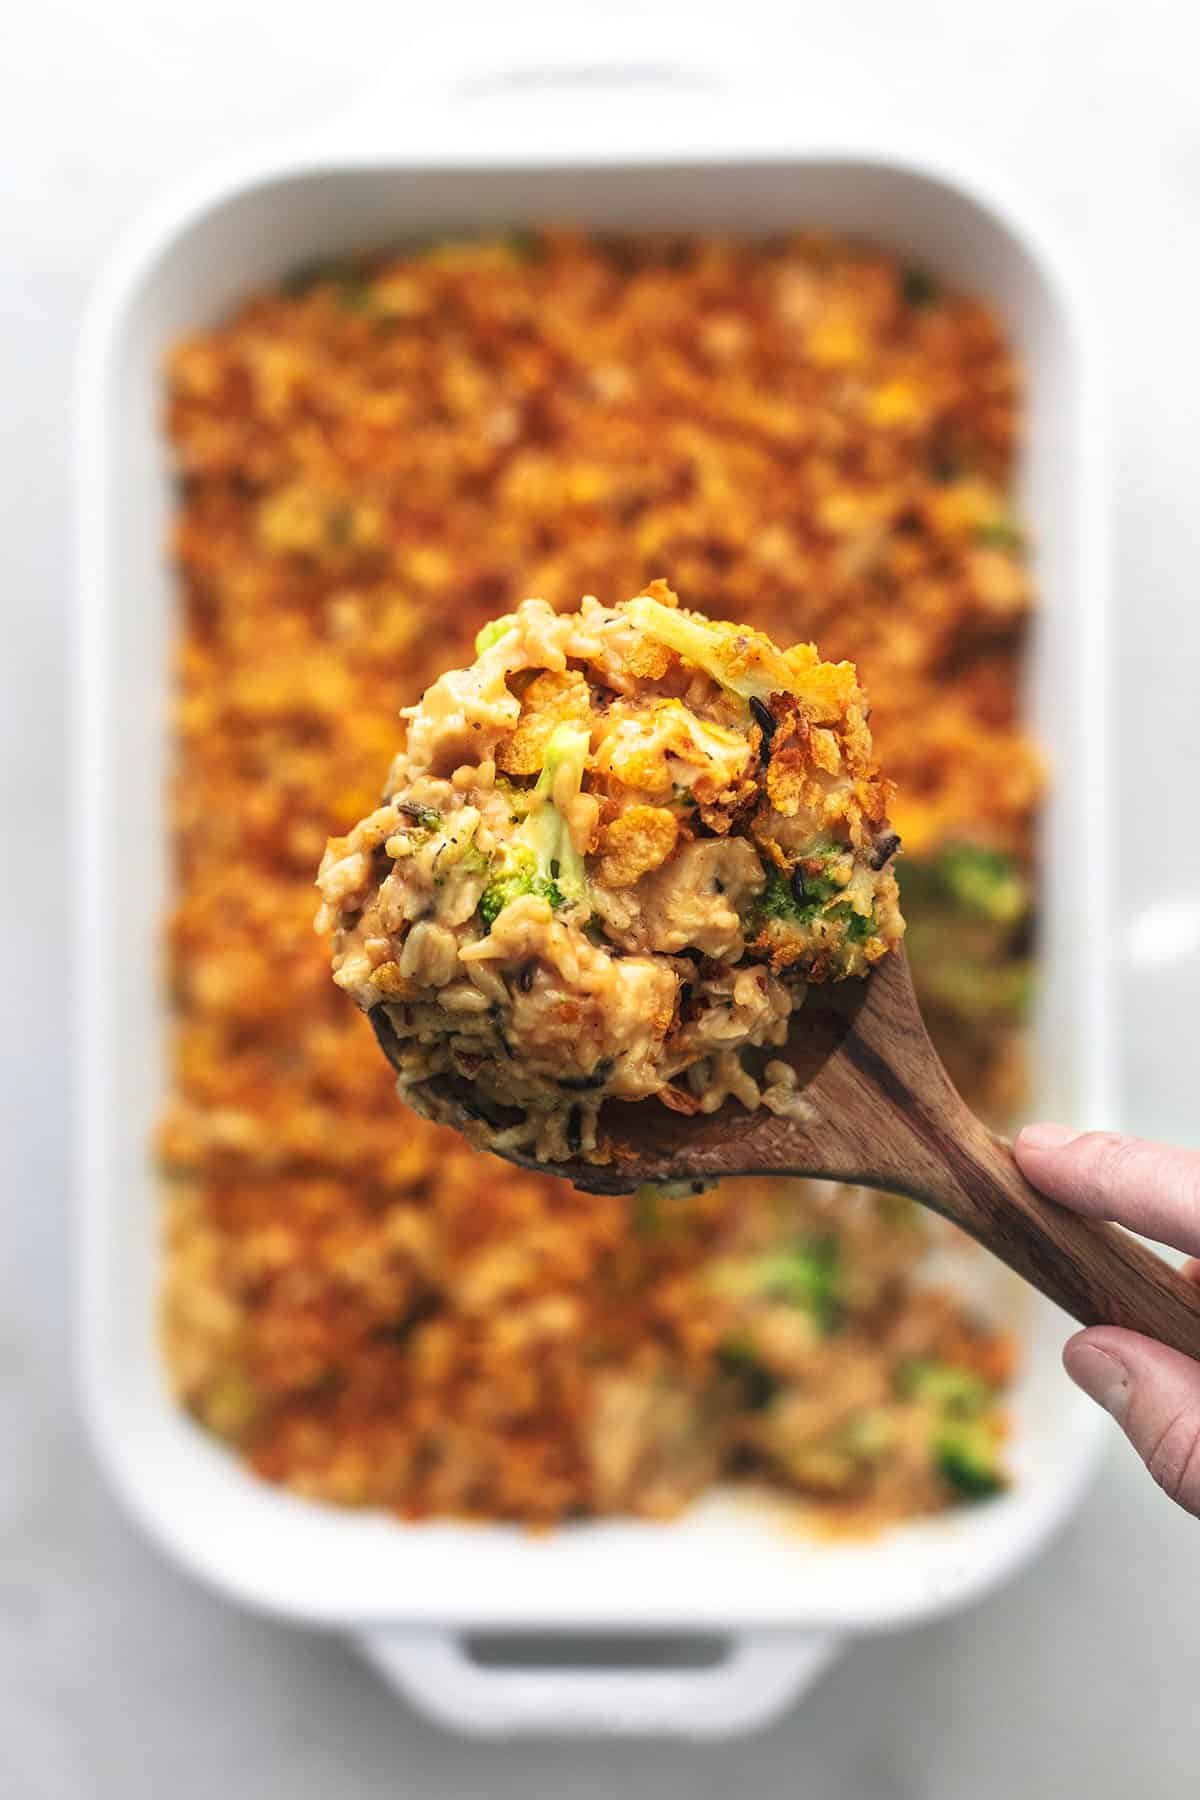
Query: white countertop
[(118, 1681)]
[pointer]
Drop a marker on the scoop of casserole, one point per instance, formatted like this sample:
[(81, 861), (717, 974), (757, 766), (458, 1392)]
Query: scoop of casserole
[(613, 854)]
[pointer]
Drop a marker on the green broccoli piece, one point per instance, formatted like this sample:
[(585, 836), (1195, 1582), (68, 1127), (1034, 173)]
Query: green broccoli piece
[(557, 856), (541, 859), (807, 1275), (965, 1448), (781, 897), (492, 633), (473, 861), (419, 821), (859, 926), (515, 872), (956, 1392), (967, 1455), (983, 883), (821, 886), (743, 663), (469, 861), (1000, 533), (1003, 994), (777, 901)]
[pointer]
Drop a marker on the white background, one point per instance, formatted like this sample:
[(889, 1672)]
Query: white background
[(119, 1681)]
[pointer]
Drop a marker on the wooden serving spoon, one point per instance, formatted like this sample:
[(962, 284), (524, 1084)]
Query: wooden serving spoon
[(880, 1111)]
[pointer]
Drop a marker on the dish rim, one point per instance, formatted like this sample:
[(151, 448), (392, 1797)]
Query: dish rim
[(163, 229)]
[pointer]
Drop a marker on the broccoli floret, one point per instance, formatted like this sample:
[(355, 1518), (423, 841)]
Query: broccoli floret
[(470, 861), (742, 662), (418, 822), (955, 1391), (800, 898), (777, 901), (1000, 533), (859, 926), (560, 780), (807, 1275), (967, 1455), (966, 1449), (967, 908), (473, 861), (492, 633), (983, 994), (983, 883), (797, 897), (820, 885), (515, 872), (541, 859)]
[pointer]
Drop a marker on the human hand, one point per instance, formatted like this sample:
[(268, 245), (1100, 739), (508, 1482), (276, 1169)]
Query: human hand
[(1152, 1392)]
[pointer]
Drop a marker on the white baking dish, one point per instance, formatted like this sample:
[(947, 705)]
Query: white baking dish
[(690, 158)]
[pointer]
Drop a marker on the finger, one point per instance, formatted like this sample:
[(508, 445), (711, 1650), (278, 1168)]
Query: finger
[(1152, 1188), (1191, 1269), (1154, 1395)]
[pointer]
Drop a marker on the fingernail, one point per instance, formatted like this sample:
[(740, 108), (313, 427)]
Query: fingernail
[(1046, 1136), (1102, 1378)]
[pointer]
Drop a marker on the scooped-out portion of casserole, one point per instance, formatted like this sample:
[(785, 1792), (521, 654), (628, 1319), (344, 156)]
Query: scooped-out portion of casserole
[(613, 854), (377, 460)]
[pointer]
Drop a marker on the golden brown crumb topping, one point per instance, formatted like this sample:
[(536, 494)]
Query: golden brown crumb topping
[(374, 461)]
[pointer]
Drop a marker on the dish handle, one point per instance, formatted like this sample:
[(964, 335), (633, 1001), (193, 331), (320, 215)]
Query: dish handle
[(551, 83), (543, 1685)]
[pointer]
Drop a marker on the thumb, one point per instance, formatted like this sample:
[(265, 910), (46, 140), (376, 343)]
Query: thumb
[(1154, 1395)]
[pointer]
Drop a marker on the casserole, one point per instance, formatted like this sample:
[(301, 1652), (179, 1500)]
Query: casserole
[(781, 1601)]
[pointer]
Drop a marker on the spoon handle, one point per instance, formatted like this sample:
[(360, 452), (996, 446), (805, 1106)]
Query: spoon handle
[(1097, 1272)]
